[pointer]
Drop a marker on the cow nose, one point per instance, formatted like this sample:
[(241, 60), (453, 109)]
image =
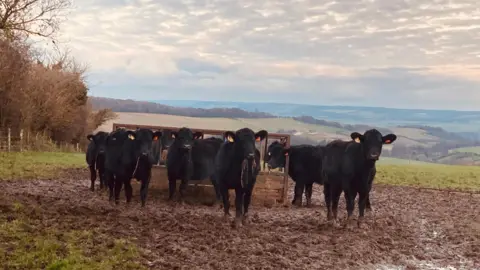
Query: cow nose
[(251, 156), (187, 146), (101, 151), (144, 154), (374, 155)]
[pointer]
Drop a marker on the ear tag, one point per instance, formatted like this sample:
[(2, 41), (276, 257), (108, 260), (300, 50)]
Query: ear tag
[(387, 141), (173, 136), (257, 139), (130, 136), (357, 140), (155, 138), (230, 139), (286, 154)]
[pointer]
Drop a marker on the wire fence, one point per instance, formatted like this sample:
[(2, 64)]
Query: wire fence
[(19, 141)]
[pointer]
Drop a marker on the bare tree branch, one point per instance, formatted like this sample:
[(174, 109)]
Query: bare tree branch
[(31, 17)]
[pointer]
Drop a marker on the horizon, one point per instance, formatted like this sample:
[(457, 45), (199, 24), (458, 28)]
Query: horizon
[(158, 101)]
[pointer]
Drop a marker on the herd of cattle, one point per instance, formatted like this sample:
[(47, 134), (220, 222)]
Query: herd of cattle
[(234, 163)]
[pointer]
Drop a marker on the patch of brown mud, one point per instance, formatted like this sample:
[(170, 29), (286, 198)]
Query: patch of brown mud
[(409, 226)]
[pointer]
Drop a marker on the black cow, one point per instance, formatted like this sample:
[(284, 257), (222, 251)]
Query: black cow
[(190, 158), (95, 157), (237, 165), (350, 167), (130, 155), (305, 166)]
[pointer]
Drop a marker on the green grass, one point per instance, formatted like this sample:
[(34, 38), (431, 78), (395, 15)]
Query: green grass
[(26, 244), (473, 149), (37, 165), (430, 175), (400, 161)]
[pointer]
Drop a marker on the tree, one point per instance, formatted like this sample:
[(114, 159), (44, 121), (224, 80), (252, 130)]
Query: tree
[(31, 17)]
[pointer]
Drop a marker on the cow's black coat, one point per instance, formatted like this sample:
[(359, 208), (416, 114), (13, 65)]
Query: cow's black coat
[(350, 167), (237, 165), (190, 157), (95, 157), (305, 166), (130, 155)]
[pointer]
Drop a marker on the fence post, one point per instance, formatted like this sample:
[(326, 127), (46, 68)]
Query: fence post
[(21, 140), (77, 147), (9, 140)]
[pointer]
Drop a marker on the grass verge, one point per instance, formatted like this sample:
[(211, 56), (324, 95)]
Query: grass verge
[(439, 176), (26, 244), (38, 165)]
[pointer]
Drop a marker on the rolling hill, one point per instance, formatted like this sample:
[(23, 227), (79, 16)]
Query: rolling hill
[(417, 142)]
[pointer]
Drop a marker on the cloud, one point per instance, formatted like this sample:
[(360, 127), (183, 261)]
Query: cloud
[(399, 53)]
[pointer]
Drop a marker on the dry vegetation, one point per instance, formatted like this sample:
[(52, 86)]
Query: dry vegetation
[(48, 97)]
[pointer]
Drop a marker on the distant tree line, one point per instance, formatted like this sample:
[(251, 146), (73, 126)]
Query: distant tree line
[(120, 105)]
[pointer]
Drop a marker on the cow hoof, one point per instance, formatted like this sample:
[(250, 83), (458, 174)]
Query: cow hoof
[(245, 220), (360, 223), (237, 223), (226, 217), (348, 224), (92, 189)]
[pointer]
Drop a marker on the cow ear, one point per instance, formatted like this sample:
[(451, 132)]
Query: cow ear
[(157, 135), (357, 137), (174, 134), (198, 135), (90, 137), (229, 136), (131, 135), (388, 139), (259, 136)]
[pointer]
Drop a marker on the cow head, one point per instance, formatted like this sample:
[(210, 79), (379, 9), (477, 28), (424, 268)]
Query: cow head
[(244, 140), (276, 155), (372, 142), (143, 139), (100, 141), (184, 137), (167, 138)]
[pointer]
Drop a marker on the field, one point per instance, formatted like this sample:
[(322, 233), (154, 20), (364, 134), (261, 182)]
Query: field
[(53, 221), (473, 149), (408, 136)]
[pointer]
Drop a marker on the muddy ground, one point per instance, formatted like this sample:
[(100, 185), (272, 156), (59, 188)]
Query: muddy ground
[(411, 229)]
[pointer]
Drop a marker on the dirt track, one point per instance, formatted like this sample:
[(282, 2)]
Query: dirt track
[(413, 229)]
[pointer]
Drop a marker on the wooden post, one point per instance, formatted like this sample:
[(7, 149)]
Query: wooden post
[(21, 140), (9, 140), (285, 175), (77, 148)]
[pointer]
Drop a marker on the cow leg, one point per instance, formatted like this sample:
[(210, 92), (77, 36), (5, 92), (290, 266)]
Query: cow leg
[(93, 177), (128, 189), (328, 200), (297, 197), (101, 173), (109, 177), (238, 207), (183, 187), (144, 188), (362, 201), (226, 202), (350, 201), (367, 204), (336, 191), (308, 193), (217, 190), (247, 198), (118, 188), (172, 186)]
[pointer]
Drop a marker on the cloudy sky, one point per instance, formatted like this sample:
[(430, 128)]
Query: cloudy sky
[(395, 53)]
